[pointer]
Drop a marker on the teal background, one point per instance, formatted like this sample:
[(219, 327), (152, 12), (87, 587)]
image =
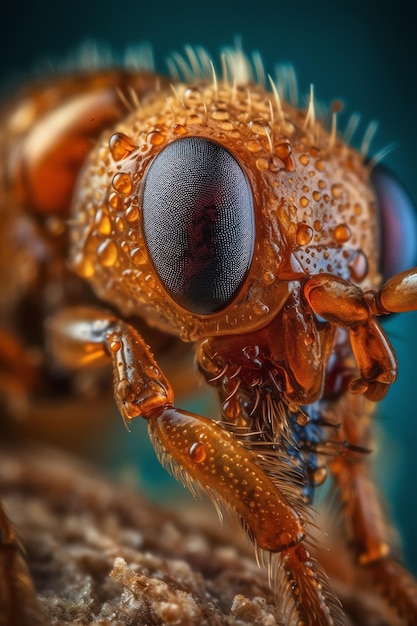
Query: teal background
[(364, 53)]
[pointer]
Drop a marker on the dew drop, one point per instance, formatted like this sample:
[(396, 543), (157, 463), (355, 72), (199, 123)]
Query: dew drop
[(132, 214), (197, 452), (342, 233), (262, 164), (260, 309), (260, 127), (318, 476), (155, 138), (304, 202), (122, 183), (114, 201), (358, 266), (253, 145), (304, 234), (194, 119), (121, 146), (226, 126), (84, 266), (318, 225), (317, 196), (179, 129), (268, 277), (138, 256), (107, 253), (302, 419), (115, 346), (283, 150), (336, 191), (220, 115), (103, 222), (304, 159)]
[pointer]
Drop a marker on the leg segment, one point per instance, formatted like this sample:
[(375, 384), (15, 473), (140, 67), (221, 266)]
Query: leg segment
[(19, 605), (369, 533)]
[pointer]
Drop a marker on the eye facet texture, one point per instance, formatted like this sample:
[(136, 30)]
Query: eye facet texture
[(198, 222)]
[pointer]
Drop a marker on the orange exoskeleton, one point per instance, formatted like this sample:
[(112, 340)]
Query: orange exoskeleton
[(218, 211)]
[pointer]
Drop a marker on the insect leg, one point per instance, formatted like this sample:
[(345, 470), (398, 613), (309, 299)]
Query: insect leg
[(369, 533), (203, 455), (19, 605)]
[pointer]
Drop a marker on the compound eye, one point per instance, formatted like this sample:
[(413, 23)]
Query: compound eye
[(398, 222), (199, 225)]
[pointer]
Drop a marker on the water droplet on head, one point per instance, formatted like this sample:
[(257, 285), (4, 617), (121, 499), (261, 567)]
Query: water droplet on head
[(358, 266), (132, 214), (107, 253), (155, 138), (262, 164), (318, 476), (336, 191), (342, 233), (179, 129), (114, 201), (304, 234), (122, 183), (139, 256), (121, 146), (103, 222)]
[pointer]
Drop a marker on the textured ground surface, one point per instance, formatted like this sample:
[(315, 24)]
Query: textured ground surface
[(100, 554)]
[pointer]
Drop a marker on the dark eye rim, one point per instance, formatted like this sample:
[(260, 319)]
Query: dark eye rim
[(237, 295), (381, 170)]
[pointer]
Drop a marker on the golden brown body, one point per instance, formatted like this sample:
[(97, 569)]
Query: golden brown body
[(287, 333)]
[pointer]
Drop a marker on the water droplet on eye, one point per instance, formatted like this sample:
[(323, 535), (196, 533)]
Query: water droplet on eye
[(197, 452), (122, 183), (121, 146), (304, 234), (358, 266), (115, 346), (342, 233), (107, 253)]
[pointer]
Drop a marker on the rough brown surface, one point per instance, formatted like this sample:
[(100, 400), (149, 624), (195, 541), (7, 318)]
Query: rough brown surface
[(100, 554)]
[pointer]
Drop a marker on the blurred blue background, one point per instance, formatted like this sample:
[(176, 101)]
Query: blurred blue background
[(363, 53)]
